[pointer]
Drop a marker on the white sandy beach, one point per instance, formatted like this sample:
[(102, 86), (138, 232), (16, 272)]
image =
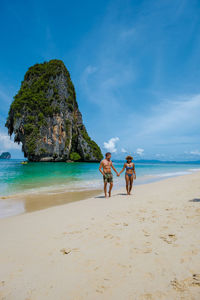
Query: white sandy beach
[(144, 246)]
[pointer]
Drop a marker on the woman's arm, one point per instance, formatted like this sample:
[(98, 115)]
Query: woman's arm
[(134, 169), (122, 169)]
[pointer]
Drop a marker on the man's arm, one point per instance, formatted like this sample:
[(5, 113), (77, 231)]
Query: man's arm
[(100, 167), (122, 169), (114, 169)]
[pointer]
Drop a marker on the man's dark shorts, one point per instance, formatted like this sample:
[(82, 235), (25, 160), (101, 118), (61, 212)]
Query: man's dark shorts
[(108, 177)]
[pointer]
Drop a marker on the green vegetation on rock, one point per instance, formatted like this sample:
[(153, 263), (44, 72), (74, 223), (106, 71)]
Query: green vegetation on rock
[(94, 147), (75, 156), (32, 96), (45, 118)]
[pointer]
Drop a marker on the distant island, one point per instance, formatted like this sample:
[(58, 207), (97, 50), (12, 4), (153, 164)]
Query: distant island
[(45, 117), (5, 155)]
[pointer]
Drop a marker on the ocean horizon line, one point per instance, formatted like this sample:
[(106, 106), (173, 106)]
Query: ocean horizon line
[(115, 160)]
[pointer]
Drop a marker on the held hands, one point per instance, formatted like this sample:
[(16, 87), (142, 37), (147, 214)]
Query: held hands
[(118, 174)]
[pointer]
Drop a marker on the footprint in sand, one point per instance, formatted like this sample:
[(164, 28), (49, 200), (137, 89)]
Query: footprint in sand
[(108, 236), (146, 233), (179, 285), (139, 251), (147, 250), (170, 238), (65, 251), (196, 279), (125, 224), (120, 224), (100, 289), (147, 244), (183, 285)]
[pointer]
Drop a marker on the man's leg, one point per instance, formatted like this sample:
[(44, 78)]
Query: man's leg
[(105, 189), (110, 188)]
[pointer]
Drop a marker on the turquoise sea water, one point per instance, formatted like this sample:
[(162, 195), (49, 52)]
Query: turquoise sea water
[(49, 177)]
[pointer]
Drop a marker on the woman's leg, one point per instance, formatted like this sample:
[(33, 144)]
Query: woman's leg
[(127, 182), (130, 184)]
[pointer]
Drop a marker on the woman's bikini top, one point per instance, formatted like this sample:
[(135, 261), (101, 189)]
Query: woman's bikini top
[(129, 168)]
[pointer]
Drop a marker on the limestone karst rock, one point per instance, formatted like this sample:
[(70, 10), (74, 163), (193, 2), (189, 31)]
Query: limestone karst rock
[(5, 155), (44, 116)]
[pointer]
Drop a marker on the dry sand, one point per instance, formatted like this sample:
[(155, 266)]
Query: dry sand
[(144, 246)]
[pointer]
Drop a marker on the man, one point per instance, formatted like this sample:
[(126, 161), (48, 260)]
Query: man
[(107, 164)]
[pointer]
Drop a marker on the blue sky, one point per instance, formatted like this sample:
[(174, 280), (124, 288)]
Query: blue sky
[(135, 66)]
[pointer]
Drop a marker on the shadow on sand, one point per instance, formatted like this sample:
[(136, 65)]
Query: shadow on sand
[(122, 194), (195, 200)]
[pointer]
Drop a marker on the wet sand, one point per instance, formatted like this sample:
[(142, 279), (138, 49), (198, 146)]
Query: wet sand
[(29, 202), (139, 247)]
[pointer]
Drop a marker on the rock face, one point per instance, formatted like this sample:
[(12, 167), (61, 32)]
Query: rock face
[(45, 118), (5, 155)]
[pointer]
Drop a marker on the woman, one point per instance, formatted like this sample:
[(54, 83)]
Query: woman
[(130, 171)]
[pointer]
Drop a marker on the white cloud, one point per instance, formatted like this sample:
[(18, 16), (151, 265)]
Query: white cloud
[(140, 151), (176, 115), (195, 152), (7, 143), (111, 144), (101, 84), (160, 155), (109, 68), (124, 150), (160, 117), (90, 69)]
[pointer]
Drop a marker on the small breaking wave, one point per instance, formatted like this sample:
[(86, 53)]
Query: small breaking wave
[(173, 174)]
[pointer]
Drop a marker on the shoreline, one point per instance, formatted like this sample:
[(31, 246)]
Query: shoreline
[(23, 202), (96, 248), (19, 204)]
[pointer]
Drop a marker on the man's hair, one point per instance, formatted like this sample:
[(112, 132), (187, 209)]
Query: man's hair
[(107, 154)]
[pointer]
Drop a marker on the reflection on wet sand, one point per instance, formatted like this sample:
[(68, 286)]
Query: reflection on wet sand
[(17, 204)]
